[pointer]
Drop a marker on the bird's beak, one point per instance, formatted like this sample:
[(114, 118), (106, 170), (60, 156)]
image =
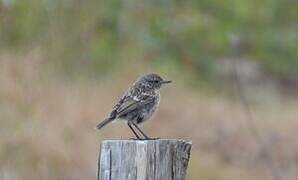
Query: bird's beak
[(166, 82)]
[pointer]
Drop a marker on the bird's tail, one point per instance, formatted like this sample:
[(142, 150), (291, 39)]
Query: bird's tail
[(104, 122)]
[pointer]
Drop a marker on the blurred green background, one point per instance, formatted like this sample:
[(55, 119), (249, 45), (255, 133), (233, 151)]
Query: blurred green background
[(64, 63)]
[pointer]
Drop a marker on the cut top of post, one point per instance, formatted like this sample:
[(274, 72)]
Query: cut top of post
[(162, 159)]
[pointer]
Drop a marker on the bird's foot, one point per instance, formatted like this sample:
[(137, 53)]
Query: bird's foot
[(144, 139), (151, 138)]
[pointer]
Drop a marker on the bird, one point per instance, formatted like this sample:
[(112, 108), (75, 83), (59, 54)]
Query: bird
[(138, 104)]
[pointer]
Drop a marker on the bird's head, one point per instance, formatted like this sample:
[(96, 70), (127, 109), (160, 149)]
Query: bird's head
[(153, 80)]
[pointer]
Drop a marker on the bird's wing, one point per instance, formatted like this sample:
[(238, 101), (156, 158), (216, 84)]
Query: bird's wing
[(131, 103)]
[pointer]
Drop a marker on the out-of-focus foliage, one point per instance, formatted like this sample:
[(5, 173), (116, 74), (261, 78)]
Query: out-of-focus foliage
[(102, 35), (47, 117)]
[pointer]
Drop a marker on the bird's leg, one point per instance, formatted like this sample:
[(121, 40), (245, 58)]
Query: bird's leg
[(145, 136), (134, 132)]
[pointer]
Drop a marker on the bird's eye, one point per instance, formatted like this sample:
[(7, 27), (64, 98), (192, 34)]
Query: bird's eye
[(156, 81)]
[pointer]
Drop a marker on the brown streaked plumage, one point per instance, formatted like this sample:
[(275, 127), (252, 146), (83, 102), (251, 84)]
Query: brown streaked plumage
[(138, 104)]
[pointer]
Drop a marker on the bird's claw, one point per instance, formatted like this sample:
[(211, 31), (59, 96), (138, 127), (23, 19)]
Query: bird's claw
[(150, 138), (144, 139)]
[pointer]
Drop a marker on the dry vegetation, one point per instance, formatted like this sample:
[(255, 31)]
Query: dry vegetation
[(47, 126)]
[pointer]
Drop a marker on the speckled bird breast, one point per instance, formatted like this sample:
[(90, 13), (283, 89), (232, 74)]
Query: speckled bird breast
[(150, 109)]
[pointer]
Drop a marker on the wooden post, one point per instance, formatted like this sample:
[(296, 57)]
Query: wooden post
[(161, 159)]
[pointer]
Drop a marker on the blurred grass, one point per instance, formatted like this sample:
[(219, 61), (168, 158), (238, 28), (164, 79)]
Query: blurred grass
[(47, 125)]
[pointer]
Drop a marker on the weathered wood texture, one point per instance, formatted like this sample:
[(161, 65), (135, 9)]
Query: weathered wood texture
[(143, 160)]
